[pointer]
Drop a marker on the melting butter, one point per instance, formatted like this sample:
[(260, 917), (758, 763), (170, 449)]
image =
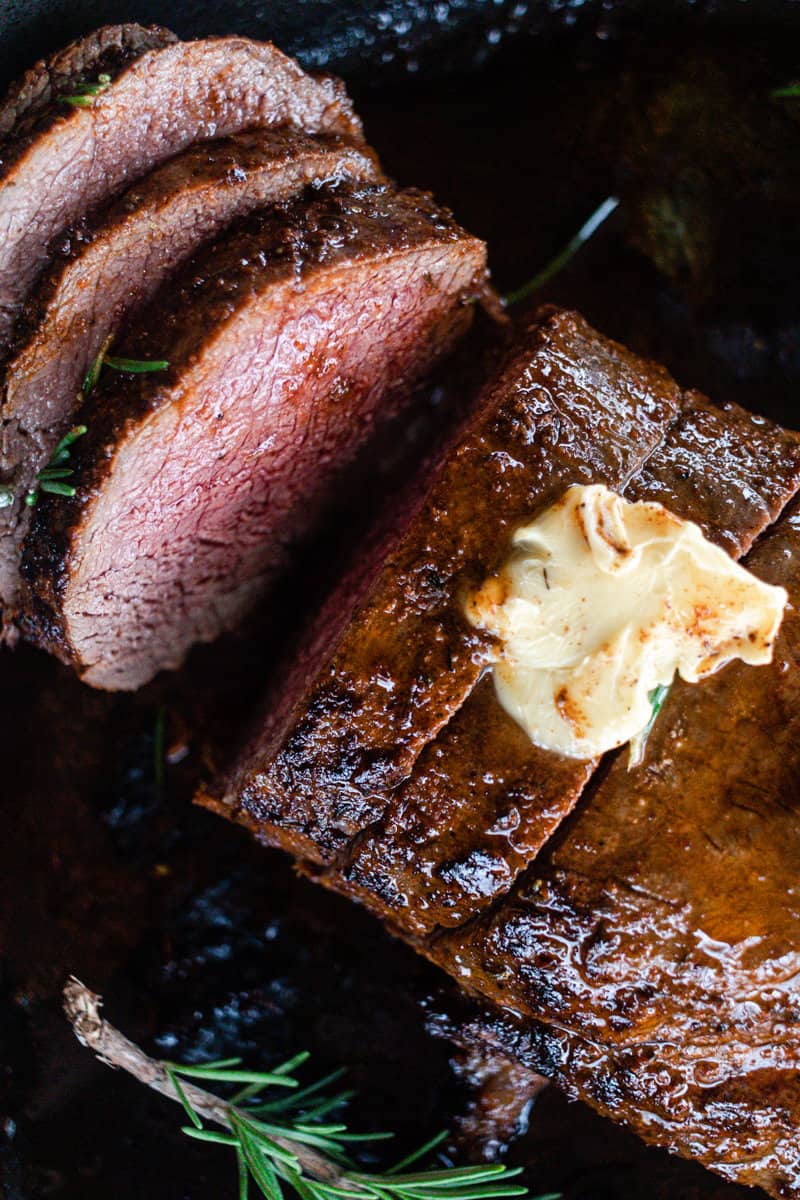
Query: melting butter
[(601, 602)]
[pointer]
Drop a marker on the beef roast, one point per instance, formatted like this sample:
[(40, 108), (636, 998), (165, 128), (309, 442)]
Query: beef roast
[(483, 799), (658, 942), (393, 659), (645, 946), (287, 339), (109, 265), (157, 95)]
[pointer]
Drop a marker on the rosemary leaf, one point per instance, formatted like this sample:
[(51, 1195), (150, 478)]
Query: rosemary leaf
[(55, 473), (244, 1177), (181, 1094), (78, 101), (415, 1155), (93, 374), (600, 214), (56, 488), (61, 451), (85, 94), (225, 1075), (292, 1064), (50, 478), (209, 1135), (295, 1101), (285, 1154), (132, 366), (135, 366), (260, 1167), (791, 91), (638, 744)]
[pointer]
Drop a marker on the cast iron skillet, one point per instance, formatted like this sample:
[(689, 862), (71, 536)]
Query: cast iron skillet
[(374, 38)]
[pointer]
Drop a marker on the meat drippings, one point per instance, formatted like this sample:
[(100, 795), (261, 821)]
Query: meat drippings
[(600, 604)]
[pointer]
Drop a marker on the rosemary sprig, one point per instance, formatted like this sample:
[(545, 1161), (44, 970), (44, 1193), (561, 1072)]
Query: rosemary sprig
[(52, 477), (132, 366), (600, 214), (638, 744), (85, 93), (282, 1143)]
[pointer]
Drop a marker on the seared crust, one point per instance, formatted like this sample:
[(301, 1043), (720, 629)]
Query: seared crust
[(649, 943), (109, 264), (682, 864), (652, 953), (742, 1125), (61, 160), (32, 103), (328, 229), (482, 799), (569, 406)]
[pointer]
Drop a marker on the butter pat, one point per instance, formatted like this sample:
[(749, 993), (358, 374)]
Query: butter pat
[(601, 602)]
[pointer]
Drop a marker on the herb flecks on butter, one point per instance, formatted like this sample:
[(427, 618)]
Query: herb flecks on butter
[(601, 604)]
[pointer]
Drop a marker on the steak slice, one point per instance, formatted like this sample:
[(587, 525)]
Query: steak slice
[(108, 266), (287, 340), (658, 942), (483, 800), (392, 658), (60, 160)]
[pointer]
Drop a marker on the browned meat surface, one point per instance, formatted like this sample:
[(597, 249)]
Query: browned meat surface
[(288, 339), (31, 98), (744, 1127), (659, 939), (483, 800), (109, 265), (60, 160), (639, 944), (501, 1090), (569, 406), (729, 470)]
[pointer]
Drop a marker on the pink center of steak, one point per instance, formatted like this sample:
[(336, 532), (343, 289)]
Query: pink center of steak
[(204, 496), (153, 229), (164, 101)]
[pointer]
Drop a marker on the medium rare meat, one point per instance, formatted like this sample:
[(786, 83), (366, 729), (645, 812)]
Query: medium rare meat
[(109, 265), (287, 340), (483, 799), (658, 941), (156, 96), (368, 695)]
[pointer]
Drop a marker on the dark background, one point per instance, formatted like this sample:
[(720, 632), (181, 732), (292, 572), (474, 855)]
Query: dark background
[(523, 117)]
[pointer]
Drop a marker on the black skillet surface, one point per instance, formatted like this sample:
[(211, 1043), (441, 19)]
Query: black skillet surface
[(204, 944)]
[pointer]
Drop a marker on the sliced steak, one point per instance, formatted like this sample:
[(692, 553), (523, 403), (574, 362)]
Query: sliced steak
[(393, 659), (483, 799), (59, 160), (666, 904), (742, 1126), (287, 340), (658, 942), (110, 265), (646, 956)]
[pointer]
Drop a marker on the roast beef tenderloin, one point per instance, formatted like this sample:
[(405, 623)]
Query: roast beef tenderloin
[(392, 661), (287, 340), (66, 149), (109, 265)]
